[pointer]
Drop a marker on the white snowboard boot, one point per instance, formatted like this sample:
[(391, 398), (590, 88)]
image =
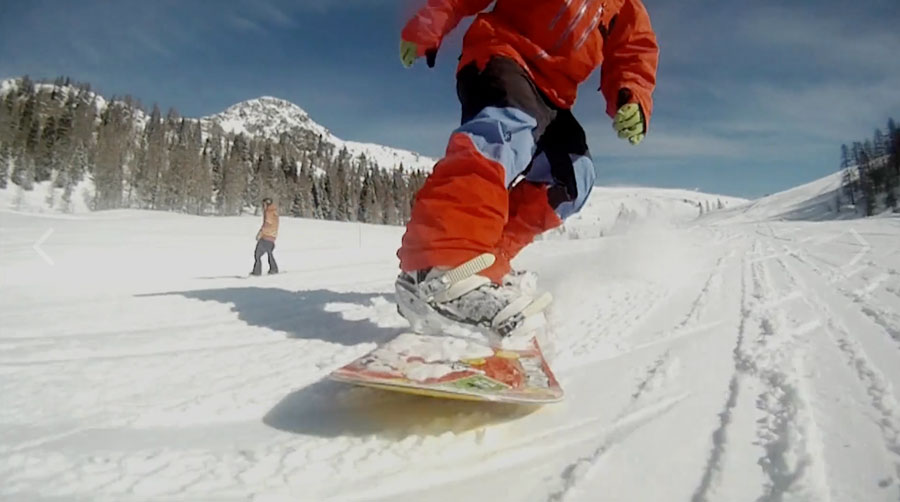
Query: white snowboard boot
[(458, 301)]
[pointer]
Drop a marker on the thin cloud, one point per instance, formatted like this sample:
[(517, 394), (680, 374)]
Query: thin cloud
[(834, 42), (245, 24), (273, 14), (154, 44)]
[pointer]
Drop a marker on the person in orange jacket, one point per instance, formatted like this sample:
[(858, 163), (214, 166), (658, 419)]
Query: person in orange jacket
[(519, 163), (265, 238)]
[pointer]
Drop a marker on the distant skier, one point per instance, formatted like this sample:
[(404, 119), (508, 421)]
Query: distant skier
[(265, 238), (519, 164)]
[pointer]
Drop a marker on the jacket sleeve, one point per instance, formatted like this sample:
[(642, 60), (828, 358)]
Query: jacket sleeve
[(630, 60), (438, 18)]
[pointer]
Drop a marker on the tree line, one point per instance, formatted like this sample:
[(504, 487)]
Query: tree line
[(871, 172), (63, 133)]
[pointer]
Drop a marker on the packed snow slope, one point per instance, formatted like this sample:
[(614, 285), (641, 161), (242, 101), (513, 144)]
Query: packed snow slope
[(814, 201), (711, 359)]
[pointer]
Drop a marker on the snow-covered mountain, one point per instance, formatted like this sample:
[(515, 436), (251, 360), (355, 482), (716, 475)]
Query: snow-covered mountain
[(270, 117)]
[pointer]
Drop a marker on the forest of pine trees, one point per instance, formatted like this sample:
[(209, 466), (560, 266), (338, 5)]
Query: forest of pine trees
[(871, 172), (64, 133)]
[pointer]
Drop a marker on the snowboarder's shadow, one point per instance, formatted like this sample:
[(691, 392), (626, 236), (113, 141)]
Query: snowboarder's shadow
[(312, 315), (332, 409)]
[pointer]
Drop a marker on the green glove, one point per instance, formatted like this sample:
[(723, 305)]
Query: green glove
[(629, 123), (408, 51)]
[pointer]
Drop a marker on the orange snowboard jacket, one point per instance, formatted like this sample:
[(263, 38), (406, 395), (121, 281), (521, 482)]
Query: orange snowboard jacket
[(559, 42)]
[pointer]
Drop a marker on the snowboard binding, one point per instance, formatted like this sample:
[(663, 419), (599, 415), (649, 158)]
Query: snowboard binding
[(446, 301)]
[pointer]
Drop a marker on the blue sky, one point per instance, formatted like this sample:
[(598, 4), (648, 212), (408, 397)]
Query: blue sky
[(752, 97)]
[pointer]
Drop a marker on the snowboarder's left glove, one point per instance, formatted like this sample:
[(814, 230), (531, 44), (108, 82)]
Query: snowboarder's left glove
[(409, 51), (629, 123)]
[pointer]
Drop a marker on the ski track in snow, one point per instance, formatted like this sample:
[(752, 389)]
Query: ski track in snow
[(723, 360)]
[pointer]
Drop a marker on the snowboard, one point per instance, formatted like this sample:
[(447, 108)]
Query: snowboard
[(453, 367)]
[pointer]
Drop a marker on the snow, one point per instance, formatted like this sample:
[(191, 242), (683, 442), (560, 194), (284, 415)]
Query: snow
[(731, 357), (813, 201), (431, 349), (44, 198)]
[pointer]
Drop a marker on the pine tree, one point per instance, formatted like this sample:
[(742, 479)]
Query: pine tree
[(322, 198), (866, 183), (197, 170), (849, 184), (45, 155), (176, 178), (234, 177), (270, 177), (879, 144), (5, 154), (63, 148), (390, 205), (369, 209), (845, 157), (201, 192), (894, 143), (153, 161), (28, 120), (213, 149), (112, 152), (400, 188), (303, 206)]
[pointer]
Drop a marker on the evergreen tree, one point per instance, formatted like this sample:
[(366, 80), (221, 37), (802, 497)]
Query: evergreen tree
[(400, 189), (237, 175), (112, 142), (5, 154), (879, 144), (28, 122), (45, 155), (849, 184), (154, 160), (894, 146), (866, 184), (369, 208), (845, 157)]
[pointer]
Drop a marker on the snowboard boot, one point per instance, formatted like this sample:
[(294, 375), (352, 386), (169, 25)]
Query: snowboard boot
[(441, 301)]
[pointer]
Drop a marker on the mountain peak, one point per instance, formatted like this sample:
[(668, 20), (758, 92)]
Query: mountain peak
[(270, 102), (271, 117), (267, 116)]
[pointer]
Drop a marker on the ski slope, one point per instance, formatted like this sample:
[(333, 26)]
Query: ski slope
[(723, 358)]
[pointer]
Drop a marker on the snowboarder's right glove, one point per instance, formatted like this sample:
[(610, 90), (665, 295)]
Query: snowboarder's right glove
[(409, 51)]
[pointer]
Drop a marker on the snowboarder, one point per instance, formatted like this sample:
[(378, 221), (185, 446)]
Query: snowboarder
[(519, 163), (265, 238)]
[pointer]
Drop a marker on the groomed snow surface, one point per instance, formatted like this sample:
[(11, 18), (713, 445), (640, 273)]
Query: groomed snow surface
[(728, 358)]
